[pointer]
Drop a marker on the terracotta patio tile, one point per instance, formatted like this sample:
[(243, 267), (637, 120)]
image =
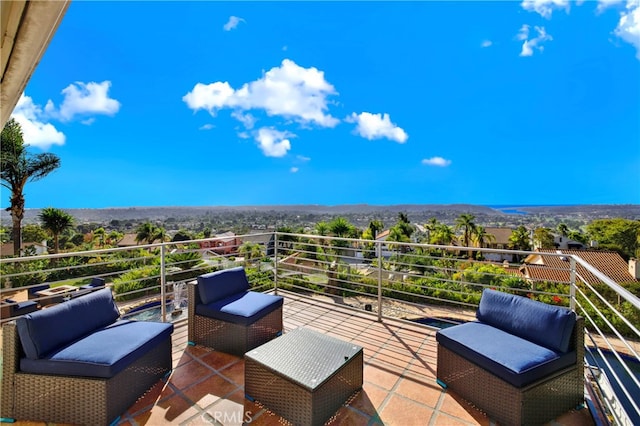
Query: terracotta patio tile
[(208, 391), (380, 377), (219, 360), (170, 411), (234, 372), (457, 407), (404, 412), (419, 391), (187, 374), (161, 390), (575, 418), (369, 399), (442, 419), (197, 350)]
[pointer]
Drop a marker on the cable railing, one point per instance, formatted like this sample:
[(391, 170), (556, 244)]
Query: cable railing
[(428, 284)]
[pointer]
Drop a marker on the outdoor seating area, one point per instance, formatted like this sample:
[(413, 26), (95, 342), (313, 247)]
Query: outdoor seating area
[(77, 363), (226, 316), (399, 378), (521, 362)]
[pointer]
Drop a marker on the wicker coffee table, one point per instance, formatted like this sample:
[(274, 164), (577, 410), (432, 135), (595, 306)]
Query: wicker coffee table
[(304, 376)]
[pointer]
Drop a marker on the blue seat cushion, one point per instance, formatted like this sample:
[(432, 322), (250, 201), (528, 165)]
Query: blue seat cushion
[(547, 325), (243, 309), (44, 331), (511, 358), (222, 284), (103, 353)]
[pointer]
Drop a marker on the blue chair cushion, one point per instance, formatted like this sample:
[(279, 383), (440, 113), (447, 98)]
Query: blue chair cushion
[(547, 325), (222, 284), (511, 358), (50, 329), (103, 353), (243, 309)]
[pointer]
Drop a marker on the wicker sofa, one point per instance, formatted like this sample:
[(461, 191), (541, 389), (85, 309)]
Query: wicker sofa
[(78, 363), (226, 316), (521, 362)]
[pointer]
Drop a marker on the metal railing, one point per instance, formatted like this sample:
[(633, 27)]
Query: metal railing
[(429, 284)]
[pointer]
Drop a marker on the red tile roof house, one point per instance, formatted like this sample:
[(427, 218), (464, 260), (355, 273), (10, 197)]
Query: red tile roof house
[(543, 267), (226, 243)]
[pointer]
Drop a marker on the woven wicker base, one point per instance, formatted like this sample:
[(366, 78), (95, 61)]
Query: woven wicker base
[(297, 404), (229, 337), (76, 400), (535, 404)]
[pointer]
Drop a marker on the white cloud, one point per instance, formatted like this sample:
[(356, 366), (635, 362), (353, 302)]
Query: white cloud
[(436, 161), (603, 4), (545, 7), (628, 27), (377, 126), (36, 132), (247, 120), (273, 143), (288, 91), (486, 43), (207, 126), (232, 23), (528, 45), (303, 158), (84, 99), (294, 170)]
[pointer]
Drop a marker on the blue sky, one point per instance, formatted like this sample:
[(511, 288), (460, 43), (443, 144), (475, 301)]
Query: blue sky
[(239, 103)]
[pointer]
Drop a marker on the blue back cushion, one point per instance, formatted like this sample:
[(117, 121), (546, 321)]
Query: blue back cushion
[(50, 329), (546, 325), (222, 284)]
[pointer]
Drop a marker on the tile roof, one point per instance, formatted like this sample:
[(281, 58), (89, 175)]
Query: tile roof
[(501, 234), (543, 267)]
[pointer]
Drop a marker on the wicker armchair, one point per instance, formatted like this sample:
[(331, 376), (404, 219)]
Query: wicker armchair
[(72, 398), (232, 319), (534, 403)]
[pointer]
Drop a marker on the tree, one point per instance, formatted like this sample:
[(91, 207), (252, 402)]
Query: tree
[(401, 231), (543, 238), (481, 236), (34, 233), (17, 167), (148, 232), (443, 234), (55, 221), (374, 226), (622, 235), (519, 239), (466, 222), (250, 250), (563, 229)]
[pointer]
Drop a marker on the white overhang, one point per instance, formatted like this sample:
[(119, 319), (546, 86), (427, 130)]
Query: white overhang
[(27, 27)]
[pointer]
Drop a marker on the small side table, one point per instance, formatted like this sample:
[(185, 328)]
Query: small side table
[(304, 376)]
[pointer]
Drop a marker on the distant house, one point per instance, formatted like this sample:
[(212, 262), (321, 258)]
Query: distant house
[(501, 242), (542, 266), (225, 243), (565, 243), (6, 249)]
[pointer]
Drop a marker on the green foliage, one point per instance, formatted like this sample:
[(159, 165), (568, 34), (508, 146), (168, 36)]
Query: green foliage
[(622, 235), (21, 274), (184, 260), (34, 233), (142, 282)]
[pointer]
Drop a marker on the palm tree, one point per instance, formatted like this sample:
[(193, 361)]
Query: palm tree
[(375, 226), (250, 250), (563, 229), (482, 237), (466, 222), (147, 232), (443, 234), (100, 235), (17, 167), (55, 221)]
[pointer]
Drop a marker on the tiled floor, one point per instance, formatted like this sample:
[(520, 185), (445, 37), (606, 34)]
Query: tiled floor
[(206, 387)]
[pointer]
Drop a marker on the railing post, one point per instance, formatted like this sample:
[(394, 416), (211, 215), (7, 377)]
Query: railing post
[(163, 281), (572, 284), (275, 261), (379, 249)]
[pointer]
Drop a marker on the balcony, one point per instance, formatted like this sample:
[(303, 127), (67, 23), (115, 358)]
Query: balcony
[(335, 286)]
